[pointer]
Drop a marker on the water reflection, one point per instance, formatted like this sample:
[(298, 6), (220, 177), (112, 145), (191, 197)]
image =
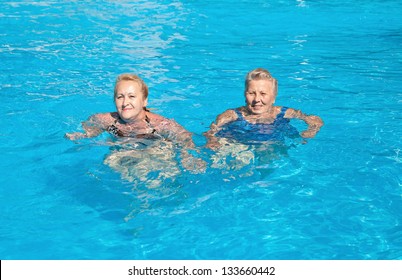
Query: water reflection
[(150, 162), (234, 160)]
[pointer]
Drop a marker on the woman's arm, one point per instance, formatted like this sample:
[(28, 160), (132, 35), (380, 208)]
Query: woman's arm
[(222, 119), (314, 123), (178, 133), (183, 138), (94, 126)]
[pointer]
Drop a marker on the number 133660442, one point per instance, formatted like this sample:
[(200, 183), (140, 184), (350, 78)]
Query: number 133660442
[(234, 270)]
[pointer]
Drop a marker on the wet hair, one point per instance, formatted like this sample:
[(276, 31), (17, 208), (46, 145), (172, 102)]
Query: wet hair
[(261, 74), (134, 78)]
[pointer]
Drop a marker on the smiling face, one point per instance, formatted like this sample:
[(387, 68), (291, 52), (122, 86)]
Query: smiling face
[(130, 101), (260, 96)]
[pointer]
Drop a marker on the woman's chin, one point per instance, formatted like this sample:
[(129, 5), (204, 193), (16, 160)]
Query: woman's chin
[(257, 110)]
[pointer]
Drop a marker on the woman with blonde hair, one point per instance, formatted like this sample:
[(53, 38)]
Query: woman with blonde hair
[(148, 140), (259, 120)]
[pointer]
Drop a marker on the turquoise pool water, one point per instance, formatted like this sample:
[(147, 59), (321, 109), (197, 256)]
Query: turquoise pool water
[(337, 197)]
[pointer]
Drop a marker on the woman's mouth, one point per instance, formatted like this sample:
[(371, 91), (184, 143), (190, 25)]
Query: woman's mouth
[(257, 107)]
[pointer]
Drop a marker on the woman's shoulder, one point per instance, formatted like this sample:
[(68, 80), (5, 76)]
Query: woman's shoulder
[(228, 116), (165, 125), (160, 121), (157, 118), (234, 112), (279, 109), (288, 112)]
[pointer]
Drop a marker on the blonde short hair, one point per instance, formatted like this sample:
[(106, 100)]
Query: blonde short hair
[(134, 78), (261, 74)]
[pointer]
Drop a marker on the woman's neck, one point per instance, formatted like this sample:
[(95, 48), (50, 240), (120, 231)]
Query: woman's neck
[(141, 117), (268, 113)]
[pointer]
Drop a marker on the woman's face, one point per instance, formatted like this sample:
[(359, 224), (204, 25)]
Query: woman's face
[(260, 96), (129, 100)]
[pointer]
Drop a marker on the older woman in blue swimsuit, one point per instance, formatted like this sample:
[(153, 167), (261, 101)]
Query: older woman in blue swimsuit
[(259, 120)]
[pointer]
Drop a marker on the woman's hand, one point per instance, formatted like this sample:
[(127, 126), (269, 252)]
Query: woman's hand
[(75, 135), (192, 163)]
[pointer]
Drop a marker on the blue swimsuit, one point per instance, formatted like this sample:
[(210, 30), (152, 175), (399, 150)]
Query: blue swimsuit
[(249, 133)]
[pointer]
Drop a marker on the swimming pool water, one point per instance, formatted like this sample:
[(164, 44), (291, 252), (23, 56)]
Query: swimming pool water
[(337, 197)]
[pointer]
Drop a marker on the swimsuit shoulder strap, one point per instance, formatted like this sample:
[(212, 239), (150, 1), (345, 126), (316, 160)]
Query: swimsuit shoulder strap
[(282, 112), (148, 121), (116, 117), (239, 114)]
